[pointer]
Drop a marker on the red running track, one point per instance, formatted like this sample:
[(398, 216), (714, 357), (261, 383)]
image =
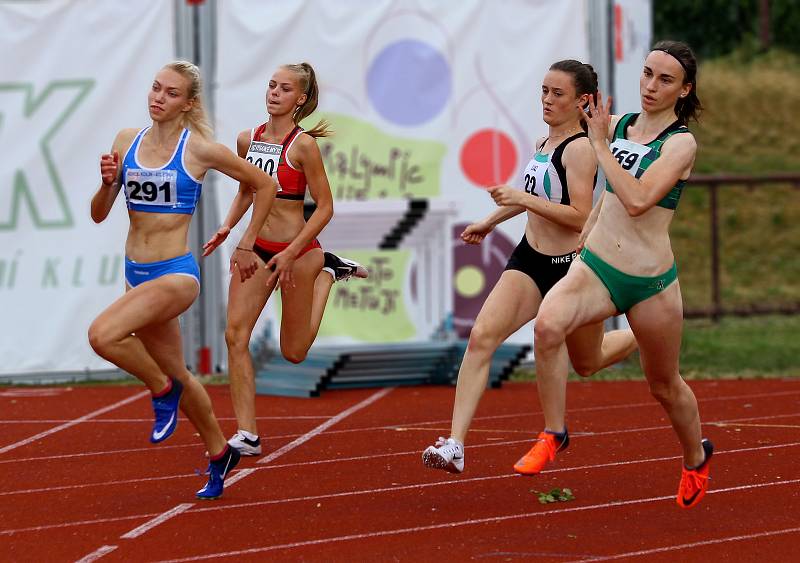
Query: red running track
[(343, 479)]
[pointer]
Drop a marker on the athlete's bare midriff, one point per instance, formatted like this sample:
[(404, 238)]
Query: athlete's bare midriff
[(549, 238), (153, 237), (639, 246), (284, 222)]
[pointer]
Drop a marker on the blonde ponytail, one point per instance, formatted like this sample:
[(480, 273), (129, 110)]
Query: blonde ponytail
[(308, 84)]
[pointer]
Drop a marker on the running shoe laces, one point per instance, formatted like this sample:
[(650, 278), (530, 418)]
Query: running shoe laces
[(542, 452), (694, 482)]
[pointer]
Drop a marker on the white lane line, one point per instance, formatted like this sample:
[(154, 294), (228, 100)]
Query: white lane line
[(690, 545), (398, 428), (97, 554), (325, 425), (160, 519), (149, 449), (457, 524), (77, 523), (235, 476), (171, 513), (501, 416), (454, 482), (73, 422), (414, 486), (239, 475), (99, 484), (150, 420), (277, 453), (27, 392)]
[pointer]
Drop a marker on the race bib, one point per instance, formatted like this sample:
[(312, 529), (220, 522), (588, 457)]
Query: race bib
[(151, 187), (533, 177), (266, 156), (629, 154)]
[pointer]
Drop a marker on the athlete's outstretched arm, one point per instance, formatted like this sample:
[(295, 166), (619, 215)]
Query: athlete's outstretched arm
[(580, 165), (474, 233), (221, 158), (239, 206)]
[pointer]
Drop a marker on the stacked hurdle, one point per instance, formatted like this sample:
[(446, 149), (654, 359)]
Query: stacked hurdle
[(385, 365)]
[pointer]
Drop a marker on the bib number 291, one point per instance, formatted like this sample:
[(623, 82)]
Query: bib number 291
[(151, 187), (148, 191)]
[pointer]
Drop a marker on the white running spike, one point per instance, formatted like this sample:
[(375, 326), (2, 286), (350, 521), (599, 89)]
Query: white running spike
[(447, 454)]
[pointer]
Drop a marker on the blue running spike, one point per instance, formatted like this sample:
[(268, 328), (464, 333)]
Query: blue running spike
[(166, 411), (217, 471)]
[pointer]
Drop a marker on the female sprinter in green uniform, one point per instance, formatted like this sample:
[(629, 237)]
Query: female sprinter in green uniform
[(559, 182), (161, 172), (627, 265)]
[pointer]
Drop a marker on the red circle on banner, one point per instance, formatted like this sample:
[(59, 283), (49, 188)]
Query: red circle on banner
[(488, 157)]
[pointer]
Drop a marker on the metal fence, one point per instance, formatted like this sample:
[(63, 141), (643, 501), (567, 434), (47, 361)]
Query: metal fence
[(714, 183)]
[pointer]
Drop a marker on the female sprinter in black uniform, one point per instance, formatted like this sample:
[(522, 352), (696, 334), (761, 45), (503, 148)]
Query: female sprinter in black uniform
[(559, 183)]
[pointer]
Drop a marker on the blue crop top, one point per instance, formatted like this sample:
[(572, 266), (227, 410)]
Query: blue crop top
[(169, 189)]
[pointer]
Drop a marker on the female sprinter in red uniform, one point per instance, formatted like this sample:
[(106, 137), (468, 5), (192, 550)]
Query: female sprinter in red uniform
[(282, 148), (162, 172), (627, 265), (559, 182)]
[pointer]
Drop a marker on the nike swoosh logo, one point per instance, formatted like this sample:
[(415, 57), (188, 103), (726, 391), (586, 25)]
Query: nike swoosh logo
[(690, 500), (225, 472), (159, 435)]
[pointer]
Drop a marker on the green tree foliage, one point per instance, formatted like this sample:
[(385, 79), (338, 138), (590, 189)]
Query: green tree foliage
[(718, 27)]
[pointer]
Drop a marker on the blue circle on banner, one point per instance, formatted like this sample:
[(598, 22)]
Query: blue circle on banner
[(409, 82)]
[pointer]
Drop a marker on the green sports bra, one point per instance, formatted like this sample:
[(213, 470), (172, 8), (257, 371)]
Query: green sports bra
[(636, 158)]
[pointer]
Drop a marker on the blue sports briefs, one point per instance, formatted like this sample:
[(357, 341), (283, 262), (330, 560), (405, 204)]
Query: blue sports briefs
[(137, 272)]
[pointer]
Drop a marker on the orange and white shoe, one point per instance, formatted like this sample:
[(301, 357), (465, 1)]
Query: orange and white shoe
[(694, 482), (543, 451)]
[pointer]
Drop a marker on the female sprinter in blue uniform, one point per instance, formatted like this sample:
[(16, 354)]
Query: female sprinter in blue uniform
[(162, 171), (282, 148), (558, 185), (627, 265)]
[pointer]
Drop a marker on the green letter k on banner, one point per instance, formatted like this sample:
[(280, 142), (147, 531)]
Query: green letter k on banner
[(28, 173)]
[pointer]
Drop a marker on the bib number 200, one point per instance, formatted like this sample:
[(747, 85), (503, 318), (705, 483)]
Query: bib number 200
[(266, 164)]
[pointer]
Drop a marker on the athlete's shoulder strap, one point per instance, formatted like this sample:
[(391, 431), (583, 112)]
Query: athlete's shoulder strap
[(258, 131), (556, 158), (622, 125)]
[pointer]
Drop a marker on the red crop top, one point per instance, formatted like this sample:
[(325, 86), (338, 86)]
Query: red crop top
[(291, 182)]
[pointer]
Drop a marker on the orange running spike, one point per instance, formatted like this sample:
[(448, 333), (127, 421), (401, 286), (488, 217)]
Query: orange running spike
[(543, 450), (694, 482)]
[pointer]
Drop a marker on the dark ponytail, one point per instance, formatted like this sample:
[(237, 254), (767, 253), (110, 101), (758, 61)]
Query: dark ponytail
[(689, 107), (308, 83)]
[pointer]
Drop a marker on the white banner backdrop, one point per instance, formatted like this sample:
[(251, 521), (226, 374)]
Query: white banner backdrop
[(72, 74), (429, 100), (633, 31)]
